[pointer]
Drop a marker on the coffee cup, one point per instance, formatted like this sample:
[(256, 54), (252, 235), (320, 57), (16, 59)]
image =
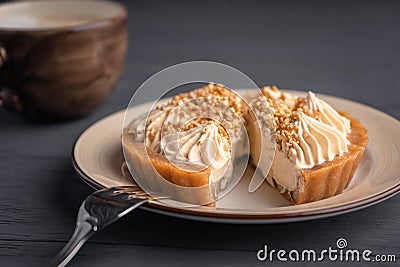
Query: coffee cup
[(60, 59)]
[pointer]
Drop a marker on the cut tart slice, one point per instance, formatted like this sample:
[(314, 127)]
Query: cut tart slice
[(191, 141), (318, 148)]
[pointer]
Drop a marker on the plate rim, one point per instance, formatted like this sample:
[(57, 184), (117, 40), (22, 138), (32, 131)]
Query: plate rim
[(204, 215)]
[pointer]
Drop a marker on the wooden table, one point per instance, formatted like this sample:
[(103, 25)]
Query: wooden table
[(348, 49)]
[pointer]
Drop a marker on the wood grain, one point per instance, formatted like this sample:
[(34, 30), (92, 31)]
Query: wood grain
[(347, 49)]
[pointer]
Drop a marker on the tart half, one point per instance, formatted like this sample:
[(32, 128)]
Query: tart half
[(318, 149), (191, 141)]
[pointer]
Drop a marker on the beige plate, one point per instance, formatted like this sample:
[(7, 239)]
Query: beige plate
[(97, 158)]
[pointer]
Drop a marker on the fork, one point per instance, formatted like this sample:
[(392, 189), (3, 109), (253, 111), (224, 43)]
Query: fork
[(99, 210)]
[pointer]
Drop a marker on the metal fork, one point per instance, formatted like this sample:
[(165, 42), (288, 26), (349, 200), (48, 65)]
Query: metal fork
[(97, 211)]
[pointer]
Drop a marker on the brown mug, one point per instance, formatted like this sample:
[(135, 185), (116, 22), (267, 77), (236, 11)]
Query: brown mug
[(60, 59)]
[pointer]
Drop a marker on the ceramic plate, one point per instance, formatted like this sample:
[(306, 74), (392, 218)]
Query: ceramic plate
[(97, 158)]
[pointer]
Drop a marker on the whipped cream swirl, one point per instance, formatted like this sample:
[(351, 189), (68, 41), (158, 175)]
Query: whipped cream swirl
[(328, 114), (317, 142), (314, 131), (205, 145), (150, 133), (170, 118)]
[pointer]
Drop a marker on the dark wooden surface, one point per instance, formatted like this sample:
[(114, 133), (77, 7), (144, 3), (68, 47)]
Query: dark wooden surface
[(345, 48)]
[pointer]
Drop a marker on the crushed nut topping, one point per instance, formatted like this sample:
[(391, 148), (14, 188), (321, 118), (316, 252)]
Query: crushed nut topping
[(189, 110), (218, 91), (287, 116)]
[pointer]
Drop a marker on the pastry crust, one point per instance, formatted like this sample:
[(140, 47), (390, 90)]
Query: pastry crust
[(332, 177), (160, 175), (171, 172)]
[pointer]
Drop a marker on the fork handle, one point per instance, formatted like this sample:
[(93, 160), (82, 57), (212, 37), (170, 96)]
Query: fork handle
[(83, 231), (87, 226)]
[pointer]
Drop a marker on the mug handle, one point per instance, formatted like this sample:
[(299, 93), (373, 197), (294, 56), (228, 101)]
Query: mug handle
[(7, 97)]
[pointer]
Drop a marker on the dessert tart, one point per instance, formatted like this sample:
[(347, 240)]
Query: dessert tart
[(318, 149), (192, 141)]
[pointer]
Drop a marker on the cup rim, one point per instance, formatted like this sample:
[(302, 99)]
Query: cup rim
[(122, 13)]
